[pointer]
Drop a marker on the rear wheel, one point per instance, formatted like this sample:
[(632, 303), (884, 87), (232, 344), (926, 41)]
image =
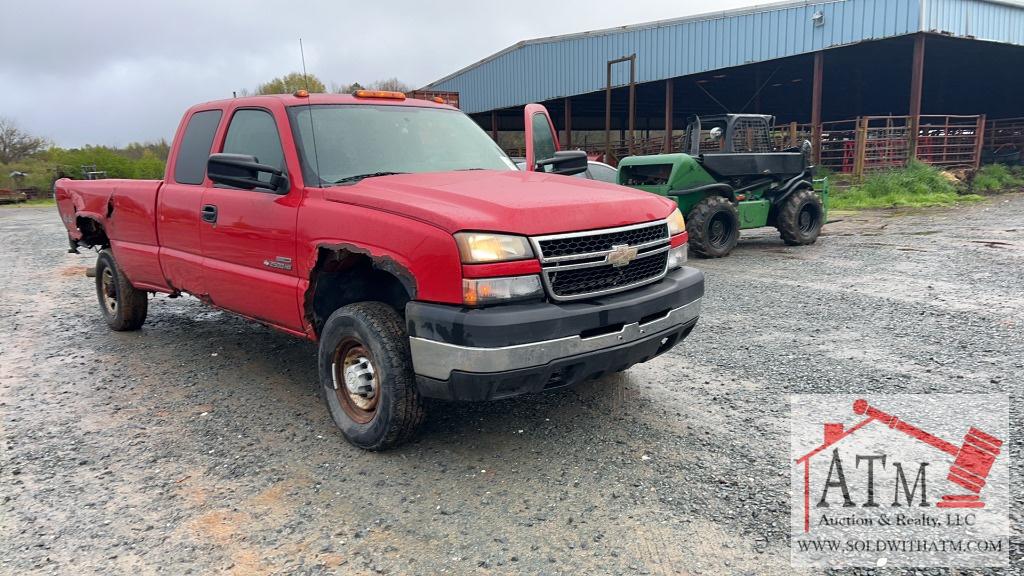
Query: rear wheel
[(714, 227), (123, 306), (801, 217), (366, 376)]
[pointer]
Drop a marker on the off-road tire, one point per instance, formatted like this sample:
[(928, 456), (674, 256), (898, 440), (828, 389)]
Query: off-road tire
[(125, 308), (702, 222), (800, 218), (398, 411)]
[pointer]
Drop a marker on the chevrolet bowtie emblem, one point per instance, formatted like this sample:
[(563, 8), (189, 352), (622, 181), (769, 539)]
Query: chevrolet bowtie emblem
[(620, 255)]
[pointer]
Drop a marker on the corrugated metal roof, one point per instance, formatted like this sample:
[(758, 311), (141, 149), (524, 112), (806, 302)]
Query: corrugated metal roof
[(546, 68)]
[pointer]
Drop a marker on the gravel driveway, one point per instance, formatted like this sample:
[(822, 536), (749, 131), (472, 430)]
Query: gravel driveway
[(199, 444)]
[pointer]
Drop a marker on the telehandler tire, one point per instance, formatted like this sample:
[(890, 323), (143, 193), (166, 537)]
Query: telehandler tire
[(714, 227), (123, 306), (801, 217)]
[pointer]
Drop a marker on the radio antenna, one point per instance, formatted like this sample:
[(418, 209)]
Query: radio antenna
[(309, 107)]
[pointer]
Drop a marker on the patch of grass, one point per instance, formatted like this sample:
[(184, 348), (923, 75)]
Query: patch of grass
[(916, 186), (998, 178)]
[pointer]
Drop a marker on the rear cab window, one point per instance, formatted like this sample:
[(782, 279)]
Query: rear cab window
[(194, 149)]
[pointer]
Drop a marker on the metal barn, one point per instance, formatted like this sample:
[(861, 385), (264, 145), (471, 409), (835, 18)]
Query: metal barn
[(870, 82)]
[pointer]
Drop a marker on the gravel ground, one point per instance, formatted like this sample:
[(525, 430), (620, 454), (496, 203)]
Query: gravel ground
[(199, 445)]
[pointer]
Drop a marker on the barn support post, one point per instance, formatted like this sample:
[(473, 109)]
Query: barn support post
[(670, 90), (819, 72), (632, 102), (494, 125), (916, 91), (567, 145), (608, 116)]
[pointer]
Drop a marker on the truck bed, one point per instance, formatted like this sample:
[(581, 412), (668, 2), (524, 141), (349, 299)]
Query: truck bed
[(122, 212)]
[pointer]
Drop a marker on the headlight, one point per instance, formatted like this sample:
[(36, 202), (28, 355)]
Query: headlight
[(676, 223), (482, 247), (479, 291)]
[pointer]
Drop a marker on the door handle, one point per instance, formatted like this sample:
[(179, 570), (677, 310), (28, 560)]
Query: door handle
[(210, 213)]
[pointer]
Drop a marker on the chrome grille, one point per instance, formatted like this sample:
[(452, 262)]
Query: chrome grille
[(580, 265), (575, 245), (598, 278)]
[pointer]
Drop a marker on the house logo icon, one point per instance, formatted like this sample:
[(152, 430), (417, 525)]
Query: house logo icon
[(972, 460)]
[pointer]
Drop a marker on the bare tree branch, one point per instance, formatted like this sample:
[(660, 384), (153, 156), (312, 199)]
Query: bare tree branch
[(16, 144)]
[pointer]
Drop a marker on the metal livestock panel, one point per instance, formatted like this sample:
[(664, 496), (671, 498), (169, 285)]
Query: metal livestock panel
[(548, 68)]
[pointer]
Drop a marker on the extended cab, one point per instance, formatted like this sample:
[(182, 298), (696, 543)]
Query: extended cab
[(399, 236)]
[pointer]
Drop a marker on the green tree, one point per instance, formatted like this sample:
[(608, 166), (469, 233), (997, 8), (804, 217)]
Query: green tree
[(347, 88), (392, 84), (291, 83)]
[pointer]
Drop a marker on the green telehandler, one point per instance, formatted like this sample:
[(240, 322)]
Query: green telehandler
[(732, 178)]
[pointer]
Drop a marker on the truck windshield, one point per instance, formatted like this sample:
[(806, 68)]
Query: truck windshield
[(362, 141)]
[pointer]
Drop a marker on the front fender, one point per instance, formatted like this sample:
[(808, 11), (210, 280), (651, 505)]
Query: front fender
[(422, 256)]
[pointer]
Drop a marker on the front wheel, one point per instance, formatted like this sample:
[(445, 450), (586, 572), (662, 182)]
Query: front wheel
[(714, 227), (124, 307), (801, 217), (366, 376)]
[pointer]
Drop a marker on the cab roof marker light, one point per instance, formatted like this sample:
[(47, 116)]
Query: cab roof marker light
[(379, 94)]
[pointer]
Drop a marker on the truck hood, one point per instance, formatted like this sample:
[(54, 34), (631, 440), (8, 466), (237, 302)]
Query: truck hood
[(527, 203)]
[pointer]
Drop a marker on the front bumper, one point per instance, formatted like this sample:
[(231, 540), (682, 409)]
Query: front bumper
[(490, 353)]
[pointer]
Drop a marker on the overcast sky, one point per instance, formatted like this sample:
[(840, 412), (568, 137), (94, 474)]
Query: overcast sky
[(114, 72)]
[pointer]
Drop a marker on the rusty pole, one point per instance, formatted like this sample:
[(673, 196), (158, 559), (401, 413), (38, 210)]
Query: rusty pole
[(608, 103), (979, 141), (494, 125), (608, 116), (860, 147), (567, 145), (632, 101), (669, 103), (819, 72), (916, 90)]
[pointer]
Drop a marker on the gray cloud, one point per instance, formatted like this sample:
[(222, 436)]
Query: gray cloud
[(112, 72)]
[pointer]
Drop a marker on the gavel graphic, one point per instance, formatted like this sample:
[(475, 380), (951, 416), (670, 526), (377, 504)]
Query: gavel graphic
[(972, 461)]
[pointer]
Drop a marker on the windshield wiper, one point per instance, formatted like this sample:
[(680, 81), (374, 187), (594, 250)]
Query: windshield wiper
[(358, 177)]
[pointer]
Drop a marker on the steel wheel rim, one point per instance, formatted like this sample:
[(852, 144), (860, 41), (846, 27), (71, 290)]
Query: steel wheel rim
[(108, 289), (355, 380), (719, 231), (806, 219)]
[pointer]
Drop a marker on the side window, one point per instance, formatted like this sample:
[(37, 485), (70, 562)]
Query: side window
[(254, 132), (194, 150), (603, 173), (543, 142)]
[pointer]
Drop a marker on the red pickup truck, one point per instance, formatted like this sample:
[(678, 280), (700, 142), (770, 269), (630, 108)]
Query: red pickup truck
[(399, 236)]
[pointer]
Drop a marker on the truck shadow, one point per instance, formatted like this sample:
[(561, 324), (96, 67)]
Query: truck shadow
[(247, 367)]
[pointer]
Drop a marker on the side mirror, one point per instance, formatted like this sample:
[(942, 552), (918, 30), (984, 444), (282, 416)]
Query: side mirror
[(243, 171), (565, 162)]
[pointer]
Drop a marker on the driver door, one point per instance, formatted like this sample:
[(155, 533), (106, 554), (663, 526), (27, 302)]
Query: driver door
[(541, 137)]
